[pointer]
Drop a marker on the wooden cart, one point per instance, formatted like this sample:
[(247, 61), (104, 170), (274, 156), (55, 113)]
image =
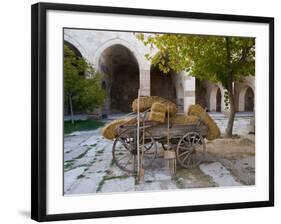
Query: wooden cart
[(187, 141)]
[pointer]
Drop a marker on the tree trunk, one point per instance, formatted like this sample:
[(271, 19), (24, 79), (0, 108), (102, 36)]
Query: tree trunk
[(230, 122), (71, 109)]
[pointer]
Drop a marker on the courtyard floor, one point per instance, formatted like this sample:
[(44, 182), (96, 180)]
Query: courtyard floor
[(89, 168)]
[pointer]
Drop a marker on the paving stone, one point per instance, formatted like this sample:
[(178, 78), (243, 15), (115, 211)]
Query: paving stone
[(219, 173), (71, 176)]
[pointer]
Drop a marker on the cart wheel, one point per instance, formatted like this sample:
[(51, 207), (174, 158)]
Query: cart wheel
[(164, 146), (124, 150), (148, 148), (191, 150)]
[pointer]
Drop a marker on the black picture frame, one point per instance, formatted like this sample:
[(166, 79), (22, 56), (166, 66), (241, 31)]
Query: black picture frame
[(39, 107)]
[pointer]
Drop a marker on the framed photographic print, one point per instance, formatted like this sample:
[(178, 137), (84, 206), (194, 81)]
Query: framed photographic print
[(139, 111)]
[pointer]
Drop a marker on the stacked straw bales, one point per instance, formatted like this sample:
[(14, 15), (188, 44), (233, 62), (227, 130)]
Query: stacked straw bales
[(213, 129), (110, 130), (160, 108), (184, 119), (158, 112), (146, 103)]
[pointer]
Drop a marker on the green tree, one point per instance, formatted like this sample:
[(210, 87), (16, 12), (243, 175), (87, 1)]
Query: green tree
[(82, 84), (220, 59)]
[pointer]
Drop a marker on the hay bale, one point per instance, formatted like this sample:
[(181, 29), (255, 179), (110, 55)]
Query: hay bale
[(184, 119), (146, 103), (157, 116), (110, 130), (159, 107), (213, 129)]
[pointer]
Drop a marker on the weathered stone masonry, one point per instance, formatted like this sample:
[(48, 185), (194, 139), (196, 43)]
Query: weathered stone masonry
[(121, 57)]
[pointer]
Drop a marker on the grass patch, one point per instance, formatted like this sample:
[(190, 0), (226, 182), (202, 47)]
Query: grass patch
[(82, 154), (80, 176), (179, 182), (100, 151), (101, 183), (116, 177), (81, 125), (67, 165), (106, 178), (112, 162)]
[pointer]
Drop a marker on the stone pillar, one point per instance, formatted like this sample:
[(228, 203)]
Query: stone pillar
[(189, 91), (145, 82)]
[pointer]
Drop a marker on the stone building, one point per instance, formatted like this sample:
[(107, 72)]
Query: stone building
[(120, 56)]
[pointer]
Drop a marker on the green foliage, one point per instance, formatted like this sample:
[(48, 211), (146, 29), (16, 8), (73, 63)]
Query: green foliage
[(214, 58), (82, 84), (81, 125), (226, 100), (204, 57)]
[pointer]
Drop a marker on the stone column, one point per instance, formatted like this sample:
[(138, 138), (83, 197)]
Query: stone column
[(189, 91), (145, 82)]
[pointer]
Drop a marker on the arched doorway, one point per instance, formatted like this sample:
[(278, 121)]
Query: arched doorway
[(201, 94), (162, 84), (69, 54), (121, 71), (218, 98), (215, 98), (246, 98), (249, 100)]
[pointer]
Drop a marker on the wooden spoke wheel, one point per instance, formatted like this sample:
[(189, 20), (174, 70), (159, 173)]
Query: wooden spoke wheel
[(191, 150), (124, 150), (164, 146), (148, 149)]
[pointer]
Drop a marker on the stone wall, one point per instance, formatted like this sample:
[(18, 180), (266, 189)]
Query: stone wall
[(121, 57)]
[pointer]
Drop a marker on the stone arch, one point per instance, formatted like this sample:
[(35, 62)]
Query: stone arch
[(121, 78), (78, 46), (73, 48), (144, 66), (215, 95), (246, 97), (118, 41)]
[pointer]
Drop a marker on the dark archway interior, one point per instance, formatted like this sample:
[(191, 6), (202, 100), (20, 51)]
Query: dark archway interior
[(200, 94), (249, 100), (218, 96), (122, 77), (162, 84)]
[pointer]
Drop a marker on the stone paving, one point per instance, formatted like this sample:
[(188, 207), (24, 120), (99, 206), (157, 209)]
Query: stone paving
[(89, 168)]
